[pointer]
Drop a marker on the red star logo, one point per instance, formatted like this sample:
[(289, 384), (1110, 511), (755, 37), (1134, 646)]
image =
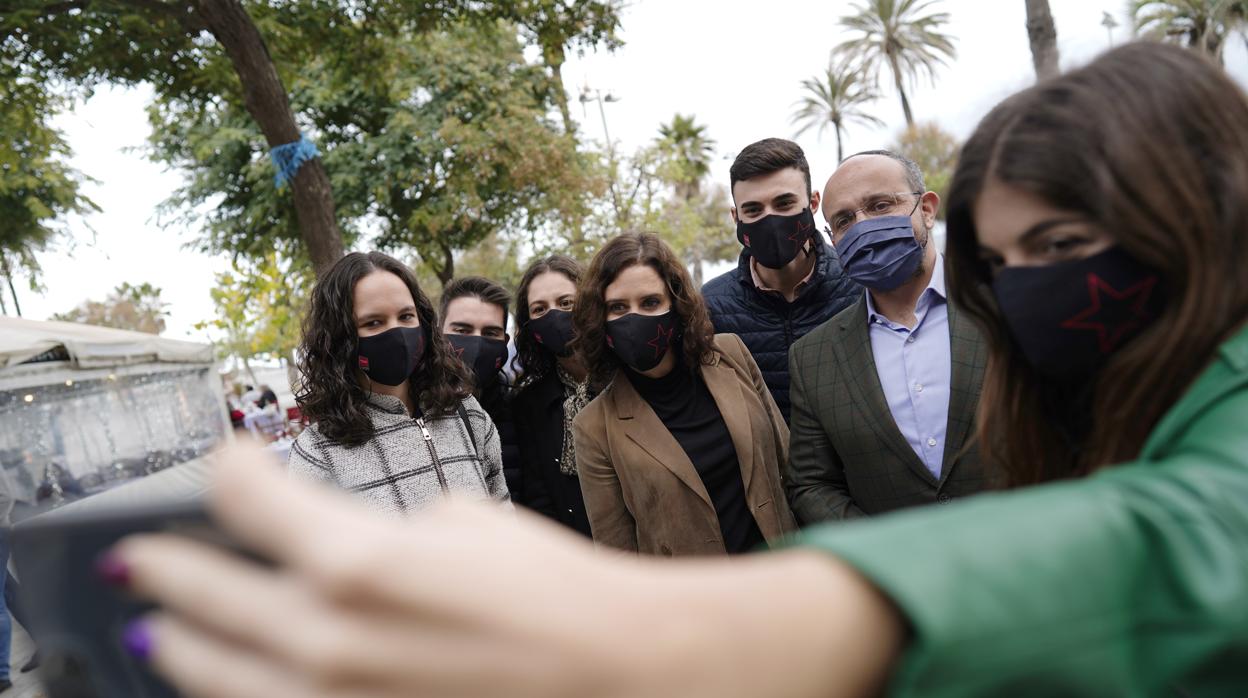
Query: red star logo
[(364, 363), (538, 337), (459, 351), (659, 343), (802, 227), (1113, 313), (610, 342)]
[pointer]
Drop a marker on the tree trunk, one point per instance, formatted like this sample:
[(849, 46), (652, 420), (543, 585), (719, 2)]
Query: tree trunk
[(447, 271), (840, 152), (266, 101), (8, 277), (561, 94), (1042, 34), (901, 90)]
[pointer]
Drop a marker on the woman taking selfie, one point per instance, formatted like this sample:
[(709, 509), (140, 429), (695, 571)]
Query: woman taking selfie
[(552, 390), (1098, 229), (392, 413), (682, 451)]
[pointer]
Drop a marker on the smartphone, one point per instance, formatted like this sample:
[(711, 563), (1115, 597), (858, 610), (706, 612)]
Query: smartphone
[(77, 619)]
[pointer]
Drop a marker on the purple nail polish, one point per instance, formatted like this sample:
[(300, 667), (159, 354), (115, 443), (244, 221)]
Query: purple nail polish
[(112, 570), (137, 639)]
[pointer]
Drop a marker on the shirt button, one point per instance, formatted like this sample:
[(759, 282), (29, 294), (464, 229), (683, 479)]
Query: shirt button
[(918, 388), (910, 339), (931, 442)]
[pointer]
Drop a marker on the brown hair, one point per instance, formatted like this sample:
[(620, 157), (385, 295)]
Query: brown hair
[(590, 314), (475, 287), (767, 156), (1149, 142), (535, 360), (329, 393)]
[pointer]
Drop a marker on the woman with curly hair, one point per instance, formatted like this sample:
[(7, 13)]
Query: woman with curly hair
[(552, 391), (392, 412), (682, 451)]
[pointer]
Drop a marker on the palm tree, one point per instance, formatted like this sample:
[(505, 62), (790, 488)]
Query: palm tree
[(1042, 35), (686, 145), (1203, 25), (899, 34), (835, 99)]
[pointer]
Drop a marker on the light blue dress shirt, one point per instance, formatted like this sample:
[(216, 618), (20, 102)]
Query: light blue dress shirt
[(914, 369)]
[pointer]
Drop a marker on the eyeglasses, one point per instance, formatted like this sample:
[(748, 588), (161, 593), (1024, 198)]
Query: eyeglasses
[(876, 205)]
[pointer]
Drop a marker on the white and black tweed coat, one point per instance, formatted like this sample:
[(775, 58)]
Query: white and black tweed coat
[(395, 471)]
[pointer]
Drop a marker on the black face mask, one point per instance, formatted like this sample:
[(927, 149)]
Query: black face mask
[(641, 341), (774, 241), (1069, 318), (553, 331), (485, 356), (390, 357)]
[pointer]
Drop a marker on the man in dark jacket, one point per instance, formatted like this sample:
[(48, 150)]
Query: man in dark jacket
[(788, 280)]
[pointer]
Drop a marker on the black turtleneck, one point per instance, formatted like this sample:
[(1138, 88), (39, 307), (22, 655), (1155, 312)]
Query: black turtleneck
[(685, 406)]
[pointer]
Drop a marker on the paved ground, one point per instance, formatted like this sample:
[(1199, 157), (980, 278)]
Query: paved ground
[(24, 685)]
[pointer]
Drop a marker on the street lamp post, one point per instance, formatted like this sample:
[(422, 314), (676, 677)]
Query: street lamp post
[(600, 98), (1108, 21)]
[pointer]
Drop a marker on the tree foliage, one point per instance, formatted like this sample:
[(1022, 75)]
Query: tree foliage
[(259, 307), (904, 36), (935, 151), (128, 307), (1203, 25), (837, 98), (38, 189)]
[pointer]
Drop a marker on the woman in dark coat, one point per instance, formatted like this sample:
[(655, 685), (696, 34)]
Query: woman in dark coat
[(552, 391)]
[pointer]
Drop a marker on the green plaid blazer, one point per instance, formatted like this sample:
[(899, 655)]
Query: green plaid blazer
[(847, 458)]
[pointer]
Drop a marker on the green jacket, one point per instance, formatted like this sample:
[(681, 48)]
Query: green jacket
[(1130, 582)]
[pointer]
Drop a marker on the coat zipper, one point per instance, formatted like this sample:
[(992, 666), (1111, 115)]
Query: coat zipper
[(437, 464)]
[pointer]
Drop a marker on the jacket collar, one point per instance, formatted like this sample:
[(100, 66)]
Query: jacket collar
[(644, 428), (826, 265), (386, 403)]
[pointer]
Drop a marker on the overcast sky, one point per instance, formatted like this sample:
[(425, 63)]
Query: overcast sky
[(735, 65)]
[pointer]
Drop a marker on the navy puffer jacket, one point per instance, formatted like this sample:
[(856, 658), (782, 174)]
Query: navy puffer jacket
[(767, 324)]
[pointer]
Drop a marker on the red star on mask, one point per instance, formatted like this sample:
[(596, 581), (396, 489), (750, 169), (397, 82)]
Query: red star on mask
[(802, 227), (459, 351), (662, 340), (1113, 313)]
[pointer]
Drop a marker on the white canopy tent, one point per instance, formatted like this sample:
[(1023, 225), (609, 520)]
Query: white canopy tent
[(83, 408)]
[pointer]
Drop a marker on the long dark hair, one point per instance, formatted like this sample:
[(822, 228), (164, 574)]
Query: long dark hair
[(1150, 143), (590, 314), (329, 393), (535, 360)]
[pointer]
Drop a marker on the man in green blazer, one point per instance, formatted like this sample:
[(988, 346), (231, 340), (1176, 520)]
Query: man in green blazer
[(884, 394)]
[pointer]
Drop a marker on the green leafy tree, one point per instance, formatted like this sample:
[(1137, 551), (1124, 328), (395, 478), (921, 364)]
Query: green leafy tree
[(444, 143), (129, 307), (201, 48), (699, 230), (903, 35), (935, 151), (259, 307), (688, 151), (554, 26), (37, 188), (1203, 25), (836, 98), (691, 222)]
